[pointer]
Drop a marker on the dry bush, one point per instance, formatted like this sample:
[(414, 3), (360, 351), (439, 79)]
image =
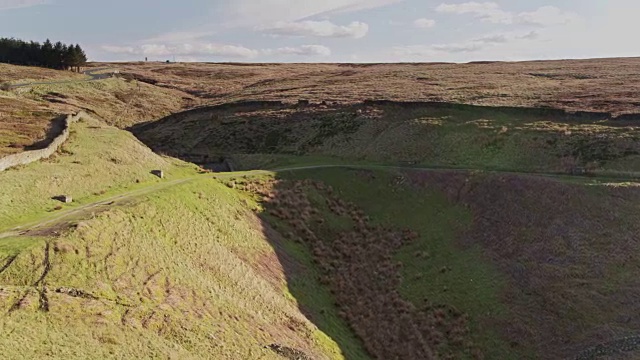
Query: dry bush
[(357, 266)]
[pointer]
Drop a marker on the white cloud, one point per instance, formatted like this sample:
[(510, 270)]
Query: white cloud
[(186, 50), (304, 50), (179, 37), (547, 16), (192, 51), (262, 12), (119, 49), (359, 5), (15, 4), (492, 39), (487, 11), (473, 45), (424, 23), (492, 13), (354, 30)]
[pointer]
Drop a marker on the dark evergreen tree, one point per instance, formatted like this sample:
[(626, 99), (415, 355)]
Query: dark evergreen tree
[(57, 56), (69, 56), (80, 58), (48, 54)]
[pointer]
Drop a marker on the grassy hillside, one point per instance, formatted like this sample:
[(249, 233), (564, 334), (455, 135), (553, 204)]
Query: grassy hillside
[(97, 161), (22, 74), (331, 263), (447, 265), (28, 112), (508, 139), (388, 230), (185, 271)]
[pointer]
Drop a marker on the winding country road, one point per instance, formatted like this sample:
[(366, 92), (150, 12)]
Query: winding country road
[(92, 73)]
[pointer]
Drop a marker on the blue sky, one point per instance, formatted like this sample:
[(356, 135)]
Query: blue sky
[(330, 30)]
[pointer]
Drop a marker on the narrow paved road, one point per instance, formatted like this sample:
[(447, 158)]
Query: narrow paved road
[(92, 73)]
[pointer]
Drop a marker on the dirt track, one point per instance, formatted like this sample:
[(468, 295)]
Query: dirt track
[(64, 216)]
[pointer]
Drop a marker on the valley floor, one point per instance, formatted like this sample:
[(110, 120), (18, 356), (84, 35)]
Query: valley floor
[(366, 230)]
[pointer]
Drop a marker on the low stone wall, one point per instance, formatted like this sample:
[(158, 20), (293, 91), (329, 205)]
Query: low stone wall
[(28, 157)]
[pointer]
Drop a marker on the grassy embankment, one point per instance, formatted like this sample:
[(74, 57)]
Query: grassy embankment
[(529, 277), (186, 271), (27, 112), (96, 162)]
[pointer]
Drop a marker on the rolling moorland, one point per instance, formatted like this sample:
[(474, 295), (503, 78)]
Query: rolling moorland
[(399, 211)]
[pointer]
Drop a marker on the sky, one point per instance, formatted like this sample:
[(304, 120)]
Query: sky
[(330, 30)]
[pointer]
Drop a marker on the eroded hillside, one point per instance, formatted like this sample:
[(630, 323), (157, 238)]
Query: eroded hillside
[(138, 266)]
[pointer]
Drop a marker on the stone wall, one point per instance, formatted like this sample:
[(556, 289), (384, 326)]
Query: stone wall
[(28, 157)]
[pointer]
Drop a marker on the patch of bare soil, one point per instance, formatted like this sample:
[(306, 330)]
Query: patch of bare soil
[(289, 353)]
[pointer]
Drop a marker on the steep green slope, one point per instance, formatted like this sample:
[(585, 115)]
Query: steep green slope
[(436, 264), (96, 161), (183, 271), (349, 262), (446, 135)]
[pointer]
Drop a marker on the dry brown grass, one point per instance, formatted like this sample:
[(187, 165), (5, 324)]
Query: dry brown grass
[(601, 85), (26, 113), (569, 251), (596, 85), (15, 73), (22, 122), (358, 267)]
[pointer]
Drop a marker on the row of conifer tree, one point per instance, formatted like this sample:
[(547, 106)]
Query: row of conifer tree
[(55, 56)]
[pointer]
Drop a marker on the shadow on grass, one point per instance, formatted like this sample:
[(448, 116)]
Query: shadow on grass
[(558, 247), (303, 277), (341, 268)]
